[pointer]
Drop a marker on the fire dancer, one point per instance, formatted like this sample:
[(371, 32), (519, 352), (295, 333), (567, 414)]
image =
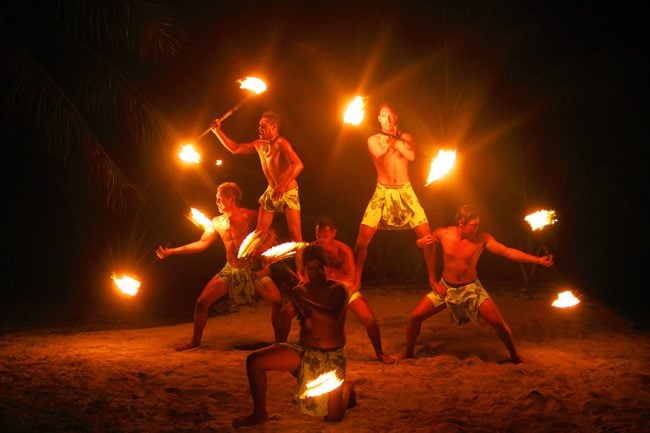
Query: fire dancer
[(320, 306), (341, 268), (459, 288), (394, 205), (281, 166), (236, 279)]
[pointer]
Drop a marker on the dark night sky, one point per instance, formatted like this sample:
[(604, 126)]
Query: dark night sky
[(545, 103)]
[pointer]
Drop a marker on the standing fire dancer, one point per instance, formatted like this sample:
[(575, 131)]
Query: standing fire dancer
[(236, 278), (280, 165), (459, 288), (394, 205)]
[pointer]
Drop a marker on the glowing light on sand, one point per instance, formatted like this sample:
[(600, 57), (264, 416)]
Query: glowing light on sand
[(355, 112), (126, 284), (189, 154), (324, 383), (540, 219), (201, 220), (254, 84), (565, 299), (441, 165)]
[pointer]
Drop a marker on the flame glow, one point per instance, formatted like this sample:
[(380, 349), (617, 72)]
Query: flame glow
[(127, 285), (283, 251), (326, 382), (540, 219), (249, 244), (218, 162), (189, 154), (355, 112), (565, 299), (441, 165), (201, 220), (253, 84)]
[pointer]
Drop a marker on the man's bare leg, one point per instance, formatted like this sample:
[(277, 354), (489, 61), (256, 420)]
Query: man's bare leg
[(362, 309), (429, 257), (490, 313), (264, 221), (271, 293), (212, 291), (257, 364), (292, 217), (422, 311), (366, 234)]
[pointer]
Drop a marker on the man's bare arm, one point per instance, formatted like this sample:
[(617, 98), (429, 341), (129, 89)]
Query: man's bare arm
[(295, 164), (514, 254), (231, 145), (207, 238), (405, 146)]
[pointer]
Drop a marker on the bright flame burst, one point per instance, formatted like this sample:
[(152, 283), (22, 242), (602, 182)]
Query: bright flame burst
[(218, 162), (127, 285), (540, 219), (189, 154), (326, 382), (253, 84), (441, 165), (565, 299), (249, 244), (284, 250), (355, 112), (201, 220)]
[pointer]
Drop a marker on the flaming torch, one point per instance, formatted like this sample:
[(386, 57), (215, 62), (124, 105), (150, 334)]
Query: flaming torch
[(249, 244), (355, 112), (252, 84), (324, 383), (189, 154), (441, 165), (201, 220), (565, 299), (540, 219), (282, 251), (126, 284)]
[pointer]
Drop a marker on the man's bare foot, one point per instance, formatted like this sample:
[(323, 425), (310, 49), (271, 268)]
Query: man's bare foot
[(386, 359), (247, 421), (190, 345), (519, 359), (405, 356)]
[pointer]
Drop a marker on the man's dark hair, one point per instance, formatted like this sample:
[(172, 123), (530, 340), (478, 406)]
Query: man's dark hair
[(465, 213), (273, 117), (230, 189), (326, 221), (387, 105), (314, 252)]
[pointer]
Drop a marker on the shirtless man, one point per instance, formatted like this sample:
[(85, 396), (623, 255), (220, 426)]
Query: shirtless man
[(459, 287), (320, 306), (280, 165), (236, 278), (393, 205), (341, 268)]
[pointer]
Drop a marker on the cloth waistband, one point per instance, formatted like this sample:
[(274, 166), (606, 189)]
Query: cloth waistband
[(455, 286)]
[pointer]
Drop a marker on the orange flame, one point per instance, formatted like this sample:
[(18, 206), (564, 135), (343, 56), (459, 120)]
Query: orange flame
[(218, 162), (249, 244), (441, 165), (283, 251), (201, 220), (189, 154), (326, 382), (565, 299), (540, 219), (355, 112), (254, 84), (126, 284)]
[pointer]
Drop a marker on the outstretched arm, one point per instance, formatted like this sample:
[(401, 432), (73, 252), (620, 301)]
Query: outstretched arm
[(516, 255), (207, 238), (232, 146)]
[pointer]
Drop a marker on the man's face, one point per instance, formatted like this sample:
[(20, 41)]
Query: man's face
[(265, 129), (387, 119), (225, 203), (470, 228), (325, 235), (315, 270)]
